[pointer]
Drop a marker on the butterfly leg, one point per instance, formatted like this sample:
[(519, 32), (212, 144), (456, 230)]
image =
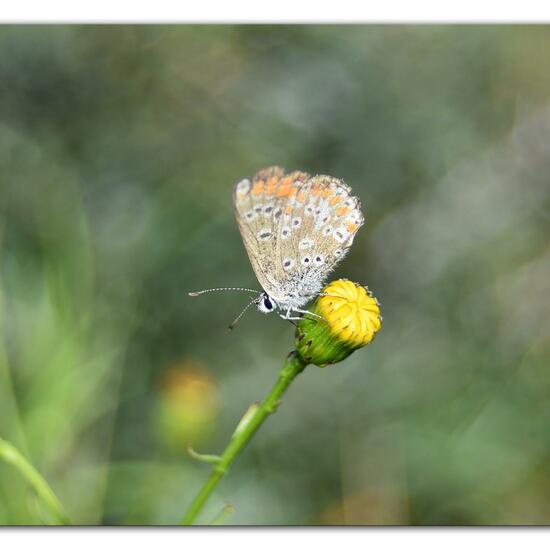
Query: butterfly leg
[(305, 312), (287, 316)]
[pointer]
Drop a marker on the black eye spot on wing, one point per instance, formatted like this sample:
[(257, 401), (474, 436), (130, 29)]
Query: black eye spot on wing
[(288, 264), (264, 235)]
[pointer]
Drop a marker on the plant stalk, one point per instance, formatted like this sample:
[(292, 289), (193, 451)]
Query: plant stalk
[(11, 455), (246, 429)]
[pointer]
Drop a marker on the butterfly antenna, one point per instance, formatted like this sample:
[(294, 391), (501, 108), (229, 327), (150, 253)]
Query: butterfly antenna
[(199, 292), (232, 325)]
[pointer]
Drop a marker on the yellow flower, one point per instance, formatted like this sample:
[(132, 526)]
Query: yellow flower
[(350, 319), (351, 311)]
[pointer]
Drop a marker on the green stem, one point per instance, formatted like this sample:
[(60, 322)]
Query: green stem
[(294, 365), (12, 456)]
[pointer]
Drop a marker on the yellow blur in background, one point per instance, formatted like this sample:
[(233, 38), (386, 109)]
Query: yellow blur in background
[(188, 406)]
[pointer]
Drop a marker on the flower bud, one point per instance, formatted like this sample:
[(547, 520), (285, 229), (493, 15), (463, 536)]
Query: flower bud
[(350, 319)]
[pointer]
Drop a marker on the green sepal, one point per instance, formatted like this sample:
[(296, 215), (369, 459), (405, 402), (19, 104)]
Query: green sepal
[(318, 345)]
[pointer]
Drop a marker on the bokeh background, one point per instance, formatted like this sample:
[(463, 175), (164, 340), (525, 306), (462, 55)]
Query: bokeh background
[(119, 147)]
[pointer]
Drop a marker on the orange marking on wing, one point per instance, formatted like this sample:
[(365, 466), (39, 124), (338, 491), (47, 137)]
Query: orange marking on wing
[(336, 200), (352, 227), (288, 209), (287, 180), (316, 190), (343, 210), (283, 191), (292, 191), (327, 193), (271, 185), (302, 196), (258, 188)]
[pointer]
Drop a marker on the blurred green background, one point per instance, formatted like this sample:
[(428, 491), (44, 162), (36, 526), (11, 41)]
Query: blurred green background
[(119, 148)]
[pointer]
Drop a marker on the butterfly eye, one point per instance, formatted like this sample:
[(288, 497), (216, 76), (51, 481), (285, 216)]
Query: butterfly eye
[(266, 304)]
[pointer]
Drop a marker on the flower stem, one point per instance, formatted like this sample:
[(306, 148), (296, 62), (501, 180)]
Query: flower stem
[(11, 455), (253, 419)]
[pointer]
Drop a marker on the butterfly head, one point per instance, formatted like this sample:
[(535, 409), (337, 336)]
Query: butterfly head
[(266, 304)]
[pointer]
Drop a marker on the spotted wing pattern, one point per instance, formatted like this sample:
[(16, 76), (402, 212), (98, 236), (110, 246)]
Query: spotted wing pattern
[(295, 228), (317, 232), (259, 206)]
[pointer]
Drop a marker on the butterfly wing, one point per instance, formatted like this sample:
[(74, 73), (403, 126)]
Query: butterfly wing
[(295, 229), (317, 229), (259, 206)]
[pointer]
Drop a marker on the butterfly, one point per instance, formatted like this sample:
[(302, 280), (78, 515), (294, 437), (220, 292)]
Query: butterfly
[(295, 228)]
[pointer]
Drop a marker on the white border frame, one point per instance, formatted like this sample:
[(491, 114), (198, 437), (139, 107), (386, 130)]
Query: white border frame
[(277, 11)]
